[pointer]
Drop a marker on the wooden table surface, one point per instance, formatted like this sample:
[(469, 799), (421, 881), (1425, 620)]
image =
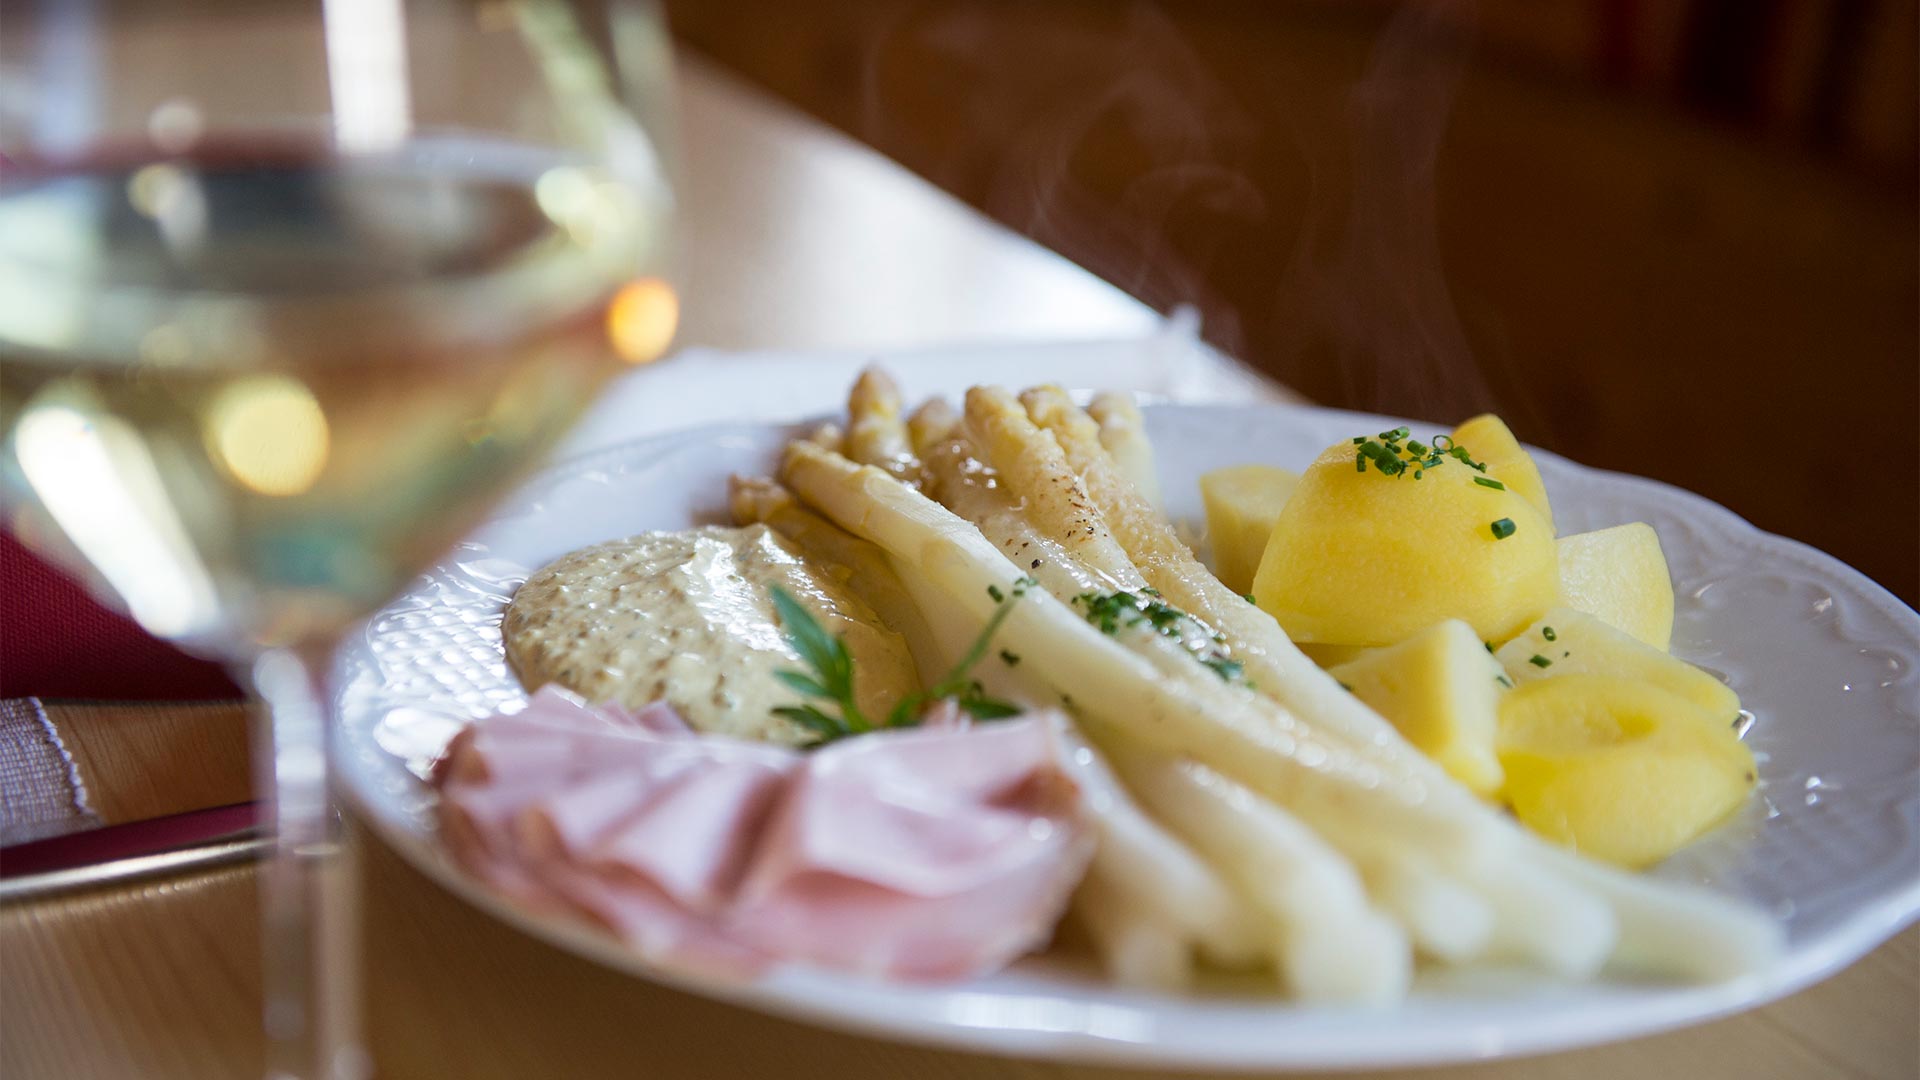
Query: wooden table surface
[(160, 979)]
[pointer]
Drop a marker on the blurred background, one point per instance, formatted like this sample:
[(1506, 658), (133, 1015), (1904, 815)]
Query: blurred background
[(1673, 237)]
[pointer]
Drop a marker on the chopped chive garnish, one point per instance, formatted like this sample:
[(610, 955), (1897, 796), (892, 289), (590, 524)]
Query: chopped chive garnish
[(1459, 453), (1385, 451), (1503, 681), (1225, 668), (1489, 482), (1488, 644), (1539, 661), (994, 591), (1383, 457), (1111, 612), (1503, 528), (1249, 598), (1547, 632), (1009, 658)]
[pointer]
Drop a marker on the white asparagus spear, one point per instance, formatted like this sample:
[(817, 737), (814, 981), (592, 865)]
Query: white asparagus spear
[(962, 483), (1670, 930), (1446, 919), (933, 422), (1149, 868), (1123, 431), (827, 437), (876, 434), (972, 490), (1110, 686), (1542, 918), (1139, 948), (1333, 946), (1028, 463)]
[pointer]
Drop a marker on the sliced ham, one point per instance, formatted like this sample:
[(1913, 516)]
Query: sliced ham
[(932, 853), (696, 834)]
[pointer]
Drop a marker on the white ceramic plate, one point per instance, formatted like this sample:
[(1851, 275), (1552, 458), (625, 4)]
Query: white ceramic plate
[(1822, 656)]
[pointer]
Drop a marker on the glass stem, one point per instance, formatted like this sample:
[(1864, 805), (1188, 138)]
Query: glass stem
[(309, 917)]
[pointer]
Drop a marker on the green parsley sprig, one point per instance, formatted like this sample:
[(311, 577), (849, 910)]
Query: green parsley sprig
[(832, 675)]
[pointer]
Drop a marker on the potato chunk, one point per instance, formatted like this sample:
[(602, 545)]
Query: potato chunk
[(1616, 768), (1332, 656), (1359, 557), (1488, 439), (1620, 576), (1442, 689), (1243, 502), (1569, 642)]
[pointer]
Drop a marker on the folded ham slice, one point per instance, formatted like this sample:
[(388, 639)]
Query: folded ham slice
[(933, 853)]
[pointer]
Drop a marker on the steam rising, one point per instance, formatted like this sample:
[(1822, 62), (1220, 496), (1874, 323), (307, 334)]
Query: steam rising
[(1136, 99), (1368, 273), (1308, 179)]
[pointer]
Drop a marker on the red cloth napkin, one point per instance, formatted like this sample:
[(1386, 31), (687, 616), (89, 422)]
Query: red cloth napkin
[(58, 642)]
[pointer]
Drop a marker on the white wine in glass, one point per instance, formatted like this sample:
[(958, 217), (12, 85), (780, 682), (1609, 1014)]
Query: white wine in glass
[(289, 294)]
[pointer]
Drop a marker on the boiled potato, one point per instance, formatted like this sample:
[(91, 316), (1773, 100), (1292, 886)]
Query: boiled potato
[(1365, 558), (1332, 656), (1569, 642), (1243, 502), (1488, 440), (1619, 575), (1442, 689), (1617, 768)]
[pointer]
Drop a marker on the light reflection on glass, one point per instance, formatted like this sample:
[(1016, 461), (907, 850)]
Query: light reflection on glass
[(270, 434), (174, 126), (173, 198), (165, 345), (97, 481), (641, 320), (566, 196), (367, 73)]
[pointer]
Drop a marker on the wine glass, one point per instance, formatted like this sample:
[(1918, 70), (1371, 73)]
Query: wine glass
[(290, 292)]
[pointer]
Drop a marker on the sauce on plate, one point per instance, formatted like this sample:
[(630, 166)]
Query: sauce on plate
[(688, 617)]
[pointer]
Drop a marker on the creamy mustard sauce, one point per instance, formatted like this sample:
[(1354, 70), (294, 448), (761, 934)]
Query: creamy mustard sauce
[(688, 616)]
